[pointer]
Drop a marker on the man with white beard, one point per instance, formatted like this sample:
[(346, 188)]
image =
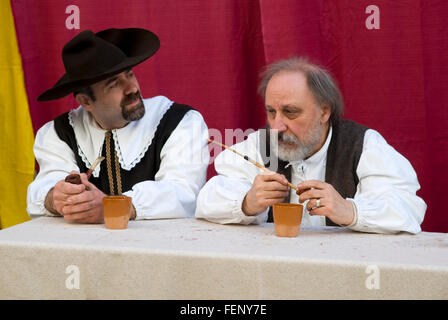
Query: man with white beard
[(346, 174)]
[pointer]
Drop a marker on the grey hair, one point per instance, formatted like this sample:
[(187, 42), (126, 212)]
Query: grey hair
[(320, 83)]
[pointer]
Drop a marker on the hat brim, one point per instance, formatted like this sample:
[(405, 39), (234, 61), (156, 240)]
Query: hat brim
[(148, 46), (64, 86)]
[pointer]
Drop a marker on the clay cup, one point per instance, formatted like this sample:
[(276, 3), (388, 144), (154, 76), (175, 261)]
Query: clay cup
[(287, 219), (116, 211)]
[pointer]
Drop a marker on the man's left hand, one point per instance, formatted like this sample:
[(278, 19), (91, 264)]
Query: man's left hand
[(330, 203)]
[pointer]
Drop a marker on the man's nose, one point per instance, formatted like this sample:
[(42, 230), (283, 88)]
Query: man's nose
[(130, 87), (278, 123)]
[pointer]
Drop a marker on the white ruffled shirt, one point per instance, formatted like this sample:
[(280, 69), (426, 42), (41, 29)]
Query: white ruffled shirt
[(182, 172), (385, 200)]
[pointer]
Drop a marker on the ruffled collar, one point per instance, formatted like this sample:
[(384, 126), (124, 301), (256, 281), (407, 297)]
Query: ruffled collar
[(131, 141)]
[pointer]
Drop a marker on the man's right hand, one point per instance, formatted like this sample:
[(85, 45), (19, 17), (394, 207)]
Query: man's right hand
[(56, 198), (267, 189)]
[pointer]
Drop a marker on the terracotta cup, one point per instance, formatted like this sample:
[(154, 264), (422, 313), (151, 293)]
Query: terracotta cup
[(116, 211), (287, 219)]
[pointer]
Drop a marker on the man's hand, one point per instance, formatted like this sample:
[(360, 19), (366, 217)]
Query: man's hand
[(332, 205), (77, 202), (266, 190), (86, 206), (57, 197)]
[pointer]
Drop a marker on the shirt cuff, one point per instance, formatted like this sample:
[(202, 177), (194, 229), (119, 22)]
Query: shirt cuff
[(355, 214), (237, 211), (37, 207)]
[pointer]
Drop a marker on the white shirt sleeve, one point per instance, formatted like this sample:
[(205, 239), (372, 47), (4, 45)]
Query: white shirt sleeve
[(56, 160), (386, 200), (221, 198), (182, 173)]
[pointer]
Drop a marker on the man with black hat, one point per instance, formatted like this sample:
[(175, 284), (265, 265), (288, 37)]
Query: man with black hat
[(155, 149)]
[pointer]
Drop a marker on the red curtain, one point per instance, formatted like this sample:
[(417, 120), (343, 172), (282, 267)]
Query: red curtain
[(394, 79)]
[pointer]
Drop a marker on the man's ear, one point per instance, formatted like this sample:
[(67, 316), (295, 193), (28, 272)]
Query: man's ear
[(325, 114), (84, 100)]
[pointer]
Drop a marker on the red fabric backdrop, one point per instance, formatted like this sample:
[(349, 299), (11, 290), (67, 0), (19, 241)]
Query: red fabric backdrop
[(394, 79)]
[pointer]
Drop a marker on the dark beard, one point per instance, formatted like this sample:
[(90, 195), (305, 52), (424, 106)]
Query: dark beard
[(137, 112)]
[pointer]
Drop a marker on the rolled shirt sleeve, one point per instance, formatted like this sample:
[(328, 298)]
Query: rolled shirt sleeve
[(56, 160), (220, 200), (386, 200)]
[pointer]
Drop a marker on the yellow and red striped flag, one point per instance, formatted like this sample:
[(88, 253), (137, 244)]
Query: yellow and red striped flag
[(16, 132)]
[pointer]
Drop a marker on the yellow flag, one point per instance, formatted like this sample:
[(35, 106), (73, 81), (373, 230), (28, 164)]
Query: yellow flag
[(16, 132)]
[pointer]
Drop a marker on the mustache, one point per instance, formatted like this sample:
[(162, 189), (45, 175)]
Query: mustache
[(130, 98), (284, 137)]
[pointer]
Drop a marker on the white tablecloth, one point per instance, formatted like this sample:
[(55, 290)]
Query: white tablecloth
[(49, 258)]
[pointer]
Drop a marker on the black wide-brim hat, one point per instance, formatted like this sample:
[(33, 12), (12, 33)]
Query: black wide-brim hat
[(91, 57)]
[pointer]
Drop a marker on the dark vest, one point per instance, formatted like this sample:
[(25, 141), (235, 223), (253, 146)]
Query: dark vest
[(148, 166), (343, 156)]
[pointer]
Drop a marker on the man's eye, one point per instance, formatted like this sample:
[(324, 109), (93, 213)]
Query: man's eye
[(291, 114), (113, 85)]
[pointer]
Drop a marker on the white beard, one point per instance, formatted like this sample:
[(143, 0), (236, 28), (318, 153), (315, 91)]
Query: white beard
[(302, 149)]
